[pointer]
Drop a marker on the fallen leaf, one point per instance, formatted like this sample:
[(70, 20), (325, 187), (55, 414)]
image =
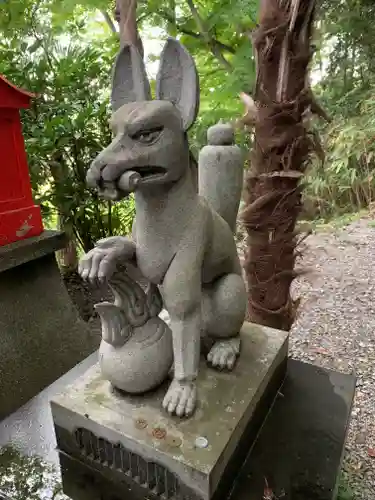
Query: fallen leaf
[(267, 492), (357, 467), (320, 350), (371, 452)]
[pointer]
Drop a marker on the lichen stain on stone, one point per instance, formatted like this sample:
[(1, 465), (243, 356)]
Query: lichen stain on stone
[(89, 391), (99, 398), (28, 478)]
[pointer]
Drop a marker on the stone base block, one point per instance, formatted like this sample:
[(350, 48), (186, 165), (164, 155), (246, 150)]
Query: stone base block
[(300, 449), (41, 335), (142, 451), (298, 452)]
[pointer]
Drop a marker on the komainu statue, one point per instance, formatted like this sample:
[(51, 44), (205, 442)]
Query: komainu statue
[(182, 244)]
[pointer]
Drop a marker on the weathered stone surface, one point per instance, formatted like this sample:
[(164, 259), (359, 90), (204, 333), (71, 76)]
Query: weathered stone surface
[(219, 179), (136, 352), (220, 134), (30, 249), (298, 452), (41, 336), (132, 440), (302, 442)]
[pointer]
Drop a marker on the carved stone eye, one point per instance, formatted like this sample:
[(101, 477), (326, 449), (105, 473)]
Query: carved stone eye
[(147, 136)]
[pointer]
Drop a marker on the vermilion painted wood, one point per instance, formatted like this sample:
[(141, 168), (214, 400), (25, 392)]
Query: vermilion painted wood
[(19, 217), (13, 97)]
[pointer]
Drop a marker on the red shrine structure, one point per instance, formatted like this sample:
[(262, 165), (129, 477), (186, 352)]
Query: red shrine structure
[(19, 217)]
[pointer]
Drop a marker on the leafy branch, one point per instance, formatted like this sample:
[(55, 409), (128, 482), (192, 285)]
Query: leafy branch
[(193, 34), (207, 37)]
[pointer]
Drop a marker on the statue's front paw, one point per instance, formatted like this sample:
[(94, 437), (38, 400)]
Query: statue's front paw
[(181, 398), (100, 263), (97, 265)]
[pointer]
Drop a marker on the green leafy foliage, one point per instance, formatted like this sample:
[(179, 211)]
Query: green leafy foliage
[(345, 44), (347, 179), (66, 127)]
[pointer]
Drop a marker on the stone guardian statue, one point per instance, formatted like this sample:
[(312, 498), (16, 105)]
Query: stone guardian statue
[(183, 240)]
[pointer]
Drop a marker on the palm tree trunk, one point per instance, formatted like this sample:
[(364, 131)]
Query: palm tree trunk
[(280, 156)]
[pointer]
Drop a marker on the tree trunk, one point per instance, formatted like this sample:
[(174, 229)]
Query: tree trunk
[(281, 152), (126, 16), (68, 256)]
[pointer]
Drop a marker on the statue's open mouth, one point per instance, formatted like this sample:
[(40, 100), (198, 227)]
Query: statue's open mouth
[(150, 171), (129, 181)]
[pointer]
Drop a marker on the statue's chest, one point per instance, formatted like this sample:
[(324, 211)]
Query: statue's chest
[(154, 255), (159, 232)]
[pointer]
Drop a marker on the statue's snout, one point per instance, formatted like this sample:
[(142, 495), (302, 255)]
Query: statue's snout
[(114, 180)]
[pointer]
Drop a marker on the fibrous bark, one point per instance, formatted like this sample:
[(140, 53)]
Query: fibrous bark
[(282, 104)]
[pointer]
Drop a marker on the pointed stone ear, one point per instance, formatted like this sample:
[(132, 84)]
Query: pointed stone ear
[(129, 79), (178, 81)]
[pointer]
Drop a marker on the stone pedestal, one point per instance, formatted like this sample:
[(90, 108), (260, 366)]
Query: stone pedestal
[(298, 452), (143, 453), (300, 449), (41, 336)]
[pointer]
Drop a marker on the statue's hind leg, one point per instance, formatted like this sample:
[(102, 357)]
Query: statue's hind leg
[(224, 310)]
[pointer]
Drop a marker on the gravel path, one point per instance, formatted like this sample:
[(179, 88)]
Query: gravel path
[(335, 329)]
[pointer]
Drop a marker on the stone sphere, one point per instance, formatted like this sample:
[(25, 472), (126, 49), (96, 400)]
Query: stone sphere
[(143, 362), (220, 134)]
